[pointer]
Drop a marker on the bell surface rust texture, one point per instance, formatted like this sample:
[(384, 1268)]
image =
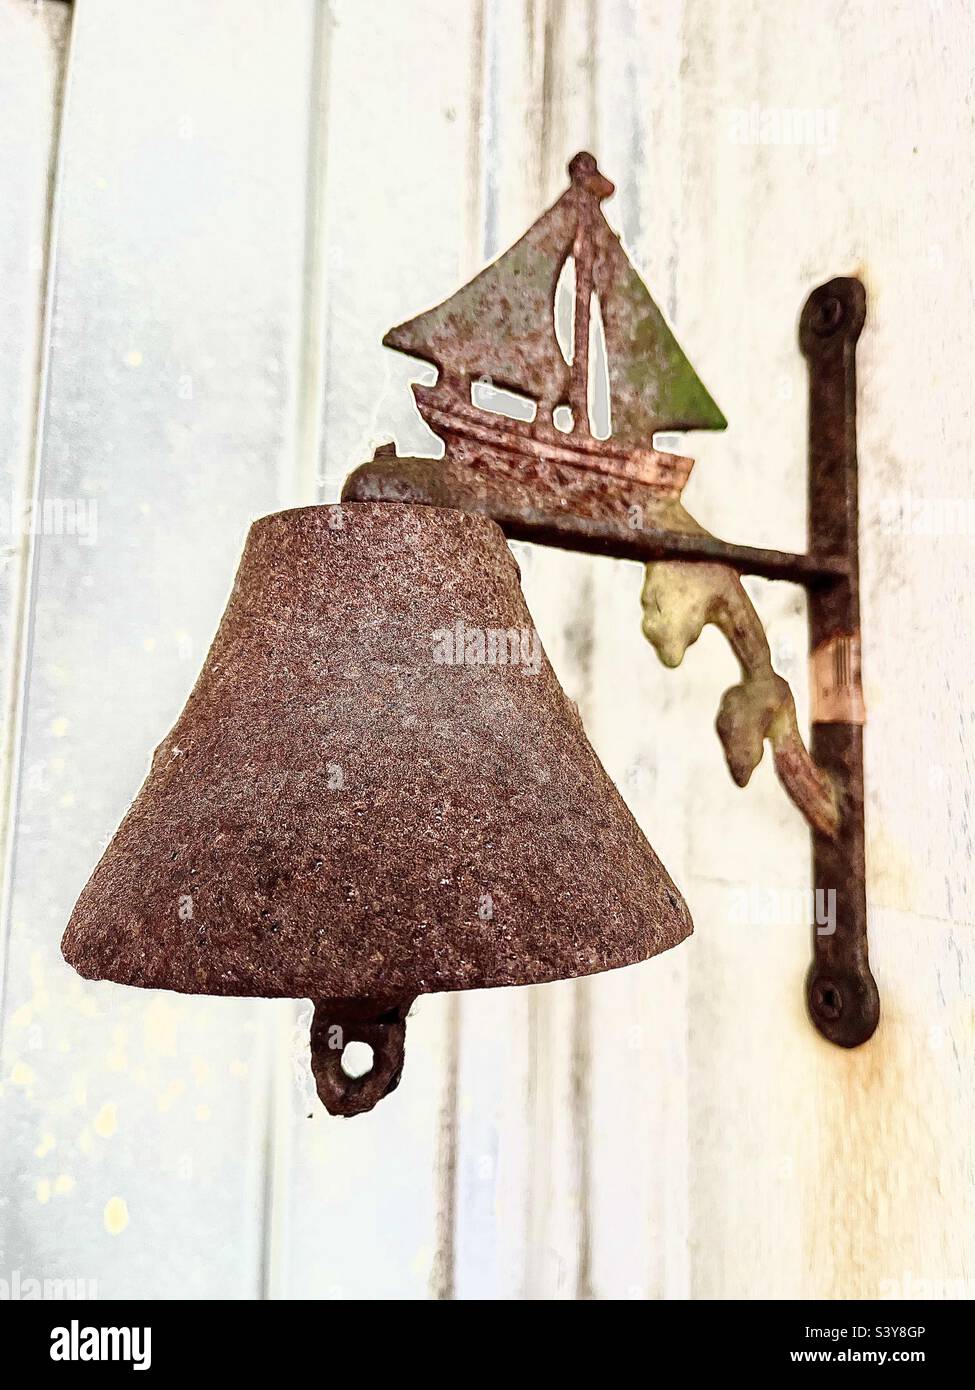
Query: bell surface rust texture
[(377, 790)]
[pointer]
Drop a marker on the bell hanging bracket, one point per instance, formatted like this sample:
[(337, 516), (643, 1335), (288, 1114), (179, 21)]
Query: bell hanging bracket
[(564, 485), (364, 799)]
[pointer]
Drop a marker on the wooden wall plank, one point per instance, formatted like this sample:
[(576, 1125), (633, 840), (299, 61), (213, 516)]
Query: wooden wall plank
[(818, 143), (33, 43), (522, 1215), (364, 1209), (134, 1147), (637, 1080)]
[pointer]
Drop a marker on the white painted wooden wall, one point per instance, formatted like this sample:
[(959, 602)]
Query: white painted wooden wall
[(194, 281)]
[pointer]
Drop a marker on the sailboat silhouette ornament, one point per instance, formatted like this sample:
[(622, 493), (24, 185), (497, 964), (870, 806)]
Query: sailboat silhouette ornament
[(499, 335)]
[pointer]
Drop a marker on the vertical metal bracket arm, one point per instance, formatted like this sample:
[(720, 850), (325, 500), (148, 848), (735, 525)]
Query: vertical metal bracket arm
[(841, 992)]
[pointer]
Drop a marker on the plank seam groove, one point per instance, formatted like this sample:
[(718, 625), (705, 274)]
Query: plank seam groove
[(306, 465), (21, 647), (444, 1282)]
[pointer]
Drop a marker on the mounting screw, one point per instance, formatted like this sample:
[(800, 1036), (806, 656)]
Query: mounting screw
[(828, 316), (826, 999)]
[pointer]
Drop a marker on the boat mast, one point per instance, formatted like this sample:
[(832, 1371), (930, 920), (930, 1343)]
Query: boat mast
[(593, 188)]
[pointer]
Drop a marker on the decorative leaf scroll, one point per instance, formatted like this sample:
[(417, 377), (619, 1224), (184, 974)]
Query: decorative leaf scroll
[(678, 600)]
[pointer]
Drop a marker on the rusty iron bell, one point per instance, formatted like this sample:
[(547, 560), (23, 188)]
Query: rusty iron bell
[(377, 790)]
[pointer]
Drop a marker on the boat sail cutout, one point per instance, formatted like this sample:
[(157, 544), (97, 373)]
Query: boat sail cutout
[(652, 385), (500, 327)]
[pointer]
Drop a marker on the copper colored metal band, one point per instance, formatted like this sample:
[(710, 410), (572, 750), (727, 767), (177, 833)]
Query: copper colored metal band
[(835, 692)]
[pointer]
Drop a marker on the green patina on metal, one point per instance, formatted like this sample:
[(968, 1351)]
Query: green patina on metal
[(651, 378)]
